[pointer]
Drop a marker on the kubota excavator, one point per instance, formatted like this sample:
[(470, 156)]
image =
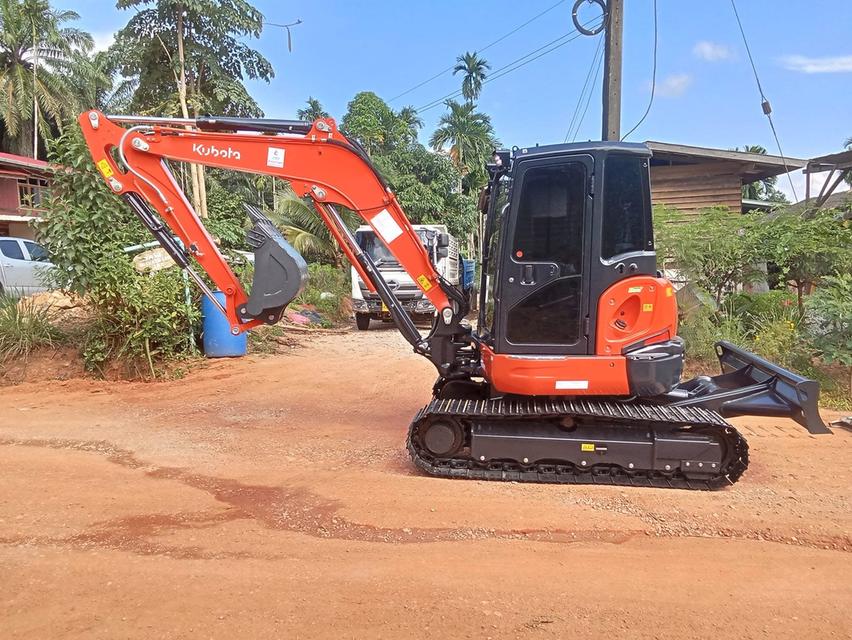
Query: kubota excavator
[(572, 372)]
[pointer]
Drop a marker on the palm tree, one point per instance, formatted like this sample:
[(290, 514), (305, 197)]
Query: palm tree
[(313, 111), (412, 122), (305, 230), (761, 189), (37, 54), (474, 69), (469, 135)]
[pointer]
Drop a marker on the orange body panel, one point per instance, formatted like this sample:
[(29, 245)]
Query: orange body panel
[(321, 165), (635, 309), (532, 375)]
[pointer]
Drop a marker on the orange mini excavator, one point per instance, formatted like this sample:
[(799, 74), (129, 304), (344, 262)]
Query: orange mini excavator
[(572, 372)]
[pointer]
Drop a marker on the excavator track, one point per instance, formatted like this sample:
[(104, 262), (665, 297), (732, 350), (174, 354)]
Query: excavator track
[(639, 421)]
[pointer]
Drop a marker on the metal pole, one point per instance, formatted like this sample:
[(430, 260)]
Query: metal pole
[(611, 129)]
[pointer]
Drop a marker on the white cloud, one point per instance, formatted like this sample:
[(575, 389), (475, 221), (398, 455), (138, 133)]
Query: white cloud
[(798, 178), (712, 51), (673, 85), (103, 40), (826, 64)]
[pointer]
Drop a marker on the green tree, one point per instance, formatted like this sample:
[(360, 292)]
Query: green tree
[(717, 250), (313, 110), (807, 248), (189, 57), (475, 70), (37, 54), (411, 122), (371, 122), (764, 189), (470, 137)]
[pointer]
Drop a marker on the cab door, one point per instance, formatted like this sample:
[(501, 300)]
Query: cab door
[(544, 289)]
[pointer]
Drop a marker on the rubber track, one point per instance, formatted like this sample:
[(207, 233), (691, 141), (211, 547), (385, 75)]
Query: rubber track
[(626, 413)]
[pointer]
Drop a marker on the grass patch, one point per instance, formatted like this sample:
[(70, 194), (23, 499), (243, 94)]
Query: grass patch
[(25, 327)]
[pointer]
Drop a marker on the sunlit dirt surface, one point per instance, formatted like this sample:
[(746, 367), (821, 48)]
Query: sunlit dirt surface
[(273, 498)]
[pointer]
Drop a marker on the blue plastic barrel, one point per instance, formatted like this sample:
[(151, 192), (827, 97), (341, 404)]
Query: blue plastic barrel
[(468, 273), (216, 331)]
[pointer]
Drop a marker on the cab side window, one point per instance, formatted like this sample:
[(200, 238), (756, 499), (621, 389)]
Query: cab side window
[(626, 215)]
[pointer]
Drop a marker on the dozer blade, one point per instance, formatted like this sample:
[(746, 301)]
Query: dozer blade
[(280, 272), (750, 385)]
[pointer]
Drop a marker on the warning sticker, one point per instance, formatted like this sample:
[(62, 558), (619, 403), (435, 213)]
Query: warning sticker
[(647, 307), (387, 227), (669, 292), (587, 446), (275, 157), (105, 169), (634, 290), (424, 283)]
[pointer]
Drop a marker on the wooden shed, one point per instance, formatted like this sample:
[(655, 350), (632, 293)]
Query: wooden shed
[(691, 179)]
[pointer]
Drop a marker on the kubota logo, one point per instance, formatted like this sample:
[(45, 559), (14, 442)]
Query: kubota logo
[(215, 152)]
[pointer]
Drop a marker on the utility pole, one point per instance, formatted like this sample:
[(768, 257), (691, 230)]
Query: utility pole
[(612, 71)]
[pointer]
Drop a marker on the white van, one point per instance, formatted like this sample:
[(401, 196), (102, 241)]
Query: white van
[(23, 266), (367, 306)]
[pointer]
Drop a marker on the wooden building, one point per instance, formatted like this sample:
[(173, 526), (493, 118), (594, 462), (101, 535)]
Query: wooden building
[(24, 189), (691, 179)]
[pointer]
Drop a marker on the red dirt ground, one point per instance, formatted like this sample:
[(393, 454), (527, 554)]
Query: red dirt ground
[(272, 497)]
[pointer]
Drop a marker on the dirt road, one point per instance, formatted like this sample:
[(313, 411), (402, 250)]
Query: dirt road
[(272, 498)]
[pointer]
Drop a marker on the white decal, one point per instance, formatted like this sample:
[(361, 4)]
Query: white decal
[(275, 157), (387, 227), (214, 151), (574, 385)]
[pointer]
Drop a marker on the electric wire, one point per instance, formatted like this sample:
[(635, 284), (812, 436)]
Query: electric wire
[(485, 48), (592, 67), (653, 81), (766, 109), (514, 65), (589, 97)]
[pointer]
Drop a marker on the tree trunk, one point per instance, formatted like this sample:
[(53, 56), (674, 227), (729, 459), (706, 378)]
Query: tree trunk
[(195, 173), (800, 297)]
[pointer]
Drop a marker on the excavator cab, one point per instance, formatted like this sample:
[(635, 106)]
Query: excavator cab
[(569, 277)]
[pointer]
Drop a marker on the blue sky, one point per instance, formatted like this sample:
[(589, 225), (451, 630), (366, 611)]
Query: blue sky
[(706, 94)]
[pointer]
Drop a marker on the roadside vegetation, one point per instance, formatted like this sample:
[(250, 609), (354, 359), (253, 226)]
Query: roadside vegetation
[(777, 284)]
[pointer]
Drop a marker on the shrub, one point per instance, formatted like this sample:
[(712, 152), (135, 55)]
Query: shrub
[(831, 321), (324, 278), (137, 317), (24, 327), (704, 327)]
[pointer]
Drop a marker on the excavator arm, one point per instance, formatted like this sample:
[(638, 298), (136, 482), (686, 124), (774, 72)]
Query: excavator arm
[(319, 162)]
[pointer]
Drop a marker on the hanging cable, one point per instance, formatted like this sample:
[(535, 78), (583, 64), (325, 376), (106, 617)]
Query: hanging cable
[(592, 67), (589, 97), (514, 65), (764, 101), (485, 48), (653, 81)]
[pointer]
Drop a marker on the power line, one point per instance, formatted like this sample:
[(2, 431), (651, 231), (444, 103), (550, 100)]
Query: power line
[(592, 67), (653, 81), (767, 108), (514, 65), (589, 97), (485, 48)]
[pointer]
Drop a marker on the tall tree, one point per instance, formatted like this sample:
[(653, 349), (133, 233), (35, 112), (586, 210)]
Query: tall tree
[(470, 137), (188, 57), (312, 111), (411, 121), (37, 52), (475, 70)]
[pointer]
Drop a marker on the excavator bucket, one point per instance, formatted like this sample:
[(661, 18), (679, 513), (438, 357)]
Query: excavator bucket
[(750, 385)]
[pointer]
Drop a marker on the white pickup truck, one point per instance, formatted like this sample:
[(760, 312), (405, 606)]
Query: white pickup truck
[(367, 306), (23, 266)]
